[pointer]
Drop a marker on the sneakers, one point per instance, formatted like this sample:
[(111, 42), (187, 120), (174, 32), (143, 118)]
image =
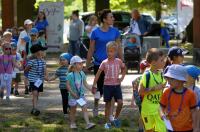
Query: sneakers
[(95, 112), (89, 126), (16, 93), (73, 126), (35, 112), (107, 126), (117, 123)]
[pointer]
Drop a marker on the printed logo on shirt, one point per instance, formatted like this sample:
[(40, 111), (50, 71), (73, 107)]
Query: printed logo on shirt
[(153, 98)]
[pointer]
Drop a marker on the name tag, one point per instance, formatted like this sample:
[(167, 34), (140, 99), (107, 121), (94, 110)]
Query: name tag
[(38, 83), (97, 95), (5, 76), (81, 102)]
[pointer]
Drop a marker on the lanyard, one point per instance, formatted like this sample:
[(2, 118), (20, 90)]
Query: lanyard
[(5, 67), (180, 106), (155, 79), (78, 89)]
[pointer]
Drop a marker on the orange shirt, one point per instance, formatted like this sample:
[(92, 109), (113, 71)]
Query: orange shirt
[(178, 107)]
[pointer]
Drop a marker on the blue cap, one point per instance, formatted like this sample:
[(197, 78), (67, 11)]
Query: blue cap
[(175, 51), (34, 31), (66, 56), (26, 39), (13, 45), (193, 71)]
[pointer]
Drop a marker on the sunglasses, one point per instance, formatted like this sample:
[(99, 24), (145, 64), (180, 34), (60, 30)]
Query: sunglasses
[(7, 48)]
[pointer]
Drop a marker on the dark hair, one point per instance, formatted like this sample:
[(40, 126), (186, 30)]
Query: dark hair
[(41, 33), (76, 12), (103, 14), (37, 19), (153, 54)]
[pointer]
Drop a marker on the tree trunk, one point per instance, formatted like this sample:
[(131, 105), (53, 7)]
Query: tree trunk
[(158, 10), (85, 6), (101, 4), (196, 31)]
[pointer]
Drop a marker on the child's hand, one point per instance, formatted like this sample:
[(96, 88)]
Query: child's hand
[(76, 96), (94, 90), (121, 79)]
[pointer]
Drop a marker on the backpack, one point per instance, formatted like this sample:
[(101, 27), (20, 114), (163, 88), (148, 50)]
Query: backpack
[(148, 75)]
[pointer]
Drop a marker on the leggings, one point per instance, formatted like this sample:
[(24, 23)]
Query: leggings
[(6, 83), (64, 94)]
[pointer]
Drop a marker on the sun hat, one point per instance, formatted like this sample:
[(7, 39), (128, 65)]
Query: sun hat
[(177, 72), (34, 31), (193, 71), (7, 33), (28, 22), (37, 47), (66, 56), (76, 59), (176, 51), (26, 39), (144, 64), (13, 45)]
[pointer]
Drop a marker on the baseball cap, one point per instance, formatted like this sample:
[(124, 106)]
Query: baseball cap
[(193, 71), (176, 51), (7, 33), (26, 39), (144, 64), (33, 31), (76, 59), (13, 45), (177, 72), (66, 56), (37, 47), (28, 22)]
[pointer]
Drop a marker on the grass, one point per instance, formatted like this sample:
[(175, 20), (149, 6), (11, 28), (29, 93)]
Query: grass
[(54, 122)]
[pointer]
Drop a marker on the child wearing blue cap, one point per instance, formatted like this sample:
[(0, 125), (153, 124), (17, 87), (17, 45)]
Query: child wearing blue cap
[(193, 74), (61, 73)]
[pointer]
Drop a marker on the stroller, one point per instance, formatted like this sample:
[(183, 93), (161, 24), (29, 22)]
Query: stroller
[(132, 52)]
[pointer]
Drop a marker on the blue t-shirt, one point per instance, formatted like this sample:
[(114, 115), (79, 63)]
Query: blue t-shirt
[(101, 39), (41, 25)]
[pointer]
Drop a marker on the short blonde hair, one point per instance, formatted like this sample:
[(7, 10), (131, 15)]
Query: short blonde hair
[(92, 18), (111, 44)]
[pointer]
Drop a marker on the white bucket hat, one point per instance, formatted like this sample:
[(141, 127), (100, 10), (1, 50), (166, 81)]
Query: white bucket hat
[(177, 72), (76, 59), (28, 22)]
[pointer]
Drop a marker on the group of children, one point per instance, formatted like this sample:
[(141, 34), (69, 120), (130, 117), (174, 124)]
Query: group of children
[(163, 93)]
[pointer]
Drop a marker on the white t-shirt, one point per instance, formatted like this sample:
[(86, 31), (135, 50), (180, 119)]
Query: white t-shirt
[(20, 47), (89, 27), (135, 28)]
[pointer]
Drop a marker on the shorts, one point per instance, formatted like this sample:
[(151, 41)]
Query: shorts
[(72, 102), (100, 81), (17, 78), (32, 87), (153, 122), (111, 91)]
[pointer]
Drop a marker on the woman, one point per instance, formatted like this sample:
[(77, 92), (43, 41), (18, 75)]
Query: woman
[(76, 29), (98, 40)]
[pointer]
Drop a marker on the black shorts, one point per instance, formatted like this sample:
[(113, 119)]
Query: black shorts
[(100, 81), (111, 91), (32, 87)]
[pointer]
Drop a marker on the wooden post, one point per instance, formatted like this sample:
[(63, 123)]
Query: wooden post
[(7, 14), (196, 31), (101, 4), (85, 9)]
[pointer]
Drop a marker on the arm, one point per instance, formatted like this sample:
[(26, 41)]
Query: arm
[(123, 73), (96, 77), (27, 68), (195, 119), (53, 77), (90, 52), (14, 62), (120, 53), (70, 90), (143, 90), (87, 86)]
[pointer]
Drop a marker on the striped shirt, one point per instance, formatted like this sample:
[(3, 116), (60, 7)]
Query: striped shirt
[(37, 69), (61, 73)]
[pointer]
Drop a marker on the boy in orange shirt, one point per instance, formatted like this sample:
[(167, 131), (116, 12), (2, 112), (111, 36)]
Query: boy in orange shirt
[(178, 103)]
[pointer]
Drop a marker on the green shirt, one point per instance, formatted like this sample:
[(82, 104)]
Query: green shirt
[(150, 103), (76, 82)]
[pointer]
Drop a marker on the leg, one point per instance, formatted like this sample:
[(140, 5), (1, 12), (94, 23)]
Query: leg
[(85, 114), (72, 47), (112, 109), (26, 84), (64, 95), (118, 97), (77, 47), (8, 86), (35, 98), (72, 114), (119, 108), (107, 111)]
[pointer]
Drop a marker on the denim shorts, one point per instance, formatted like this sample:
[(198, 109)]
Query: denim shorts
[(111, 91)]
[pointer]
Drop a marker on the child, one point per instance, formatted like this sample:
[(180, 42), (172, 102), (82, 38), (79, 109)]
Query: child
[(62, 72), (6, 68), (36, 69), (178, 103), (193, 74), (151, 86), (16, 72), (136, 98), (76, 84), (112, 68), (7, 36)]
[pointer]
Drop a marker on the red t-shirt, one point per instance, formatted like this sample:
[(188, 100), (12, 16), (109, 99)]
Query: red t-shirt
[(178, 106)]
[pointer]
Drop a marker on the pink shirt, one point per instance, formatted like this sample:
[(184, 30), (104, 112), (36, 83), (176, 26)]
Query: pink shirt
[(6, 64), (112, 70)]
